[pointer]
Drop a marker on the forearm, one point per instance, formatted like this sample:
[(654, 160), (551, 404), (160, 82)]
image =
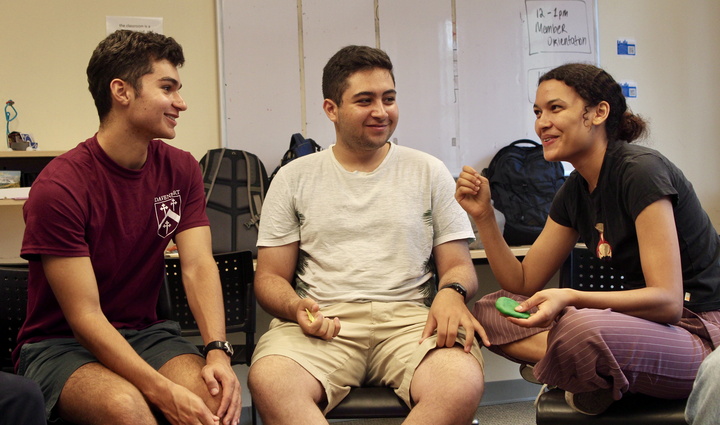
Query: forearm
[(462, 274), (276, 296), (655, 304), (449, 311), (453, 263), (505, 266), (205, 298), (473, 194), (201, 281), (542, 261)]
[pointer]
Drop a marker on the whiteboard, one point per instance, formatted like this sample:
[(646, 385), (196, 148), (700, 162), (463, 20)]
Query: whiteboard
[(466, 70)]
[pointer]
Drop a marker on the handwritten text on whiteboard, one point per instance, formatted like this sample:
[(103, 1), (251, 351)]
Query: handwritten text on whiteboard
[(557, 26)]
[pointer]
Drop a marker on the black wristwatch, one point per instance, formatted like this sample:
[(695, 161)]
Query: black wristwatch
[(458, 288), (219, 345)]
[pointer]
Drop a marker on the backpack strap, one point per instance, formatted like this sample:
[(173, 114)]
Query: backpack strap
[(299, 146), (255, 189), (532, 143), (210, 159)]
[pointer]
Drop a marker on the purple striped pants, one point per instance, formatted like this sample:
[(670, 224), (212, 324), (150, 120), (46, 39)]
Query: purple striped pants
[(589, 349)]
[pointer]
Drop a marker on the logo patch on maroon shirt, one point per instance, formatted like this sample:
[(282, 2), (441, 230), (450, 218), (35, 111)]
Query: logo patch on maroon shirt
[(167, 213)]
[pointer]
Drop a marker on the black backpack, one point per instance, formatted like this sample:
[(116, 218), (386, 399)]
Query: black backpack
[(522, 187), (235, 186), (299, 146)]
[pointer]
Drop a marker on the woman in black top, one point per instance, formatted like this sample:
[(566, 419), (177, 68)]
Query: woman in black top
[(634, 209)]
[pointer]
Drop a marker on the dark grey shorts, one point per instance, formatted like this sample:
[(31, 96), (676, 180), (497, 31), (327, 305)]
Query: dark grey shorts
[(51, 362)]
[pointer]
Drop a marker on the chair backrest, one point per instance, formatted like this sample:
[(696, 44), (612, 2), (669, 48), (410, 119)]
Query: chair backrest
[(585, 272), (13, 307), (236, 277)]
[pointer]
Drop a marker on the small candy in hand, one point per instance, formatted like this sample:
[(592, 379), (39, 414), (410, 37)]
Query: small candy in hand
[(311, 318)]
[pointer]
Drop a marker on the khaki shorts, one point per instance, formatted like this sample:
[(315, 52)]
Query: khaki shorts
[(377, 345)]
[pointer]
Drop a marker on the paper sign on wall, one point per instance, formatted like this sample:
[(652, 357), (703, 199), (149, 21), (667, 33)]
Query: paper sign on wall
[(629, 89), (626, 47), (558, 31), (133, 23), (558, 26)]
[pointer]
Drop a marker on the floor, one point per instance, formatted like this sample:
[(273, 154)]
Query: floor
[(522, 413)]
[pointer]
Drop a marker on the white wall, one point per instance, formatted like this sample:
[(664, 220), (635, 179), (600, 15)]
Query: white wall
[(45, 47), (458, 69), (676, 69)]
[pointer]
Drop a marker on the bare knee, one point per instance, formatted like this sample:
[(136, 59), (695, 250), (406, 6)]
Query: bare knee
[(275, 377), (270, 373), (123, 405), (284, 392), (531, 349), (449, 376), (186, 370)]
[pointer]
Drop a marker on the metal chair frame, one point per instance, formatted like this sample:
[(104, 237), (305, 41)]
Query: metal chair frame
[(236, 277)]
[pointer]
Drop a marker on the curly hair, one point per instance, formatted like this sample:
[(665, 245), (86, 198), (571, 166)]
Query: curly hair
[(595, 85)]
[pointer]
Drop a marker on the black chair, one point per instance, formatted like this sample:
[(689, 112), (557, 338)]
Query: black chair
[(636, 409), (583, 271), (236, 278), (13, 307), (370, 402)]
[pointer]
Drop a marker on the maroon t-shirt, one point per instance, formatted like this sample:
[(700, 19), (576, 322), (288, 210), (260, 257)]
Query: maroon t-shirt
[(83, 204)]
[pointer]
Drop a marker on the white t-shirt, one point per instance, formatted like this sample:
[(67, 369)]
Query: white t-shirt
[(363, 236)]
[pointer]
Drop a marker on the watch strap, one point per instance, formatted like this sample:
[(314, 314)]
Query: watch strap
[(219, 345), (457, 288)]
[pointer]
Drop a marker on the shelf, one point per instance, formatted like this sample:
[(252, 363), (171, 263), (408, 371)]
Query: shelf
[(30, 164), (13, 261), (29, 154)]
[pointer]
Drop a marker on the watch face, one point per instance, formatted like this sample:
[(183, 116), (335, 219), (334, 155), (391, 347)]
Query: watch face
[(228, 348), (220, 345)]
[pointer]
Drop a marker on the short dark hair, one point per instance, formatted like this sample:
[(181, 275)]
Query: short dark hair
[(127, 55), (348, 61), (595, 85)]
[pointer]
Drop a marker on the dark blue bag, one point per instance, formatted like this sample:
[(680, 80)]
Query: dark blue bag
[(299, 146), (522, 187)]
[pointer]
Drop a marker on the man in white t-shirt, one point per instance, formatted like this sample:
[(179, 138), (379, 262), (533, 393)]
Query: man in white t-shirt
[(350, 239)]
